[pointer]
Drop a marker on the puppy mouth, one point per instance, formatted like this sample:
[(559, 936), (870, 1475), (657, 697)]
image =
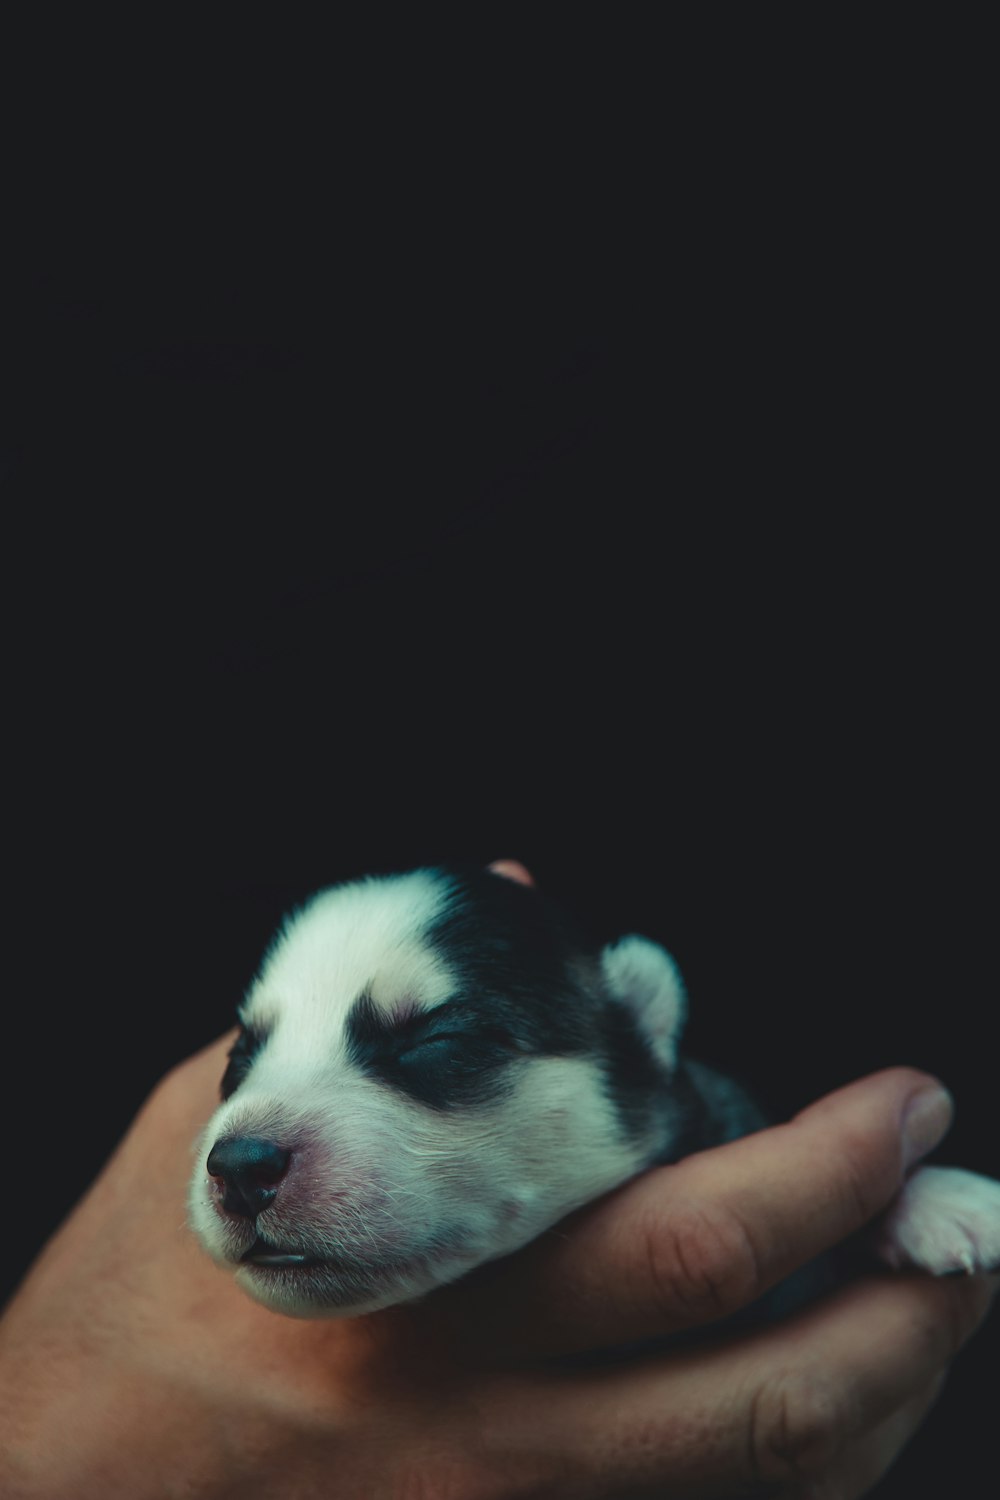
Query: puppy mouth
[(268, 1257), (261, 1253), (332, 1282)]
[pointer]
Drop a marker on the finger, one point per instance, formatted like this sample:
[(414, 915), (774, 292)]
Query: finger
[(872, 1457), (773, 1411), (689, 1243)]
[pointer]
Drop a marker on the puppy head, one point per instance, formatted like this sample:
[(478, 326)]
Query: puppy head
[(430, 1070)]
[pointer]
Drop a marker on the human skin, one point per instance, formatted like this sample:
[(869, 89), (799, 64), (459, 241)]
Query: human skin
[(133, 1368)]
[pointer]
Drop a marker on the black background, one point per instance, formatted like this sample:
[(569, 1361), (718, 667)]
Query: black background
[(661, 568)]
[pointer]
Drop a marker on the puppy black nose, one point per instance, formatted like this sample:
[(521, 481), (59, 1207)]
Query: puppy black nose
[(248, 1170)]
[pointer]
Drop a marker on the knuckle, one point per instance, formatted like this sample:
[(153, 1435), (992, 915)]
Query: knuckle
[(449, 1475), (700, 1261), (451, 1482), (800, 1425)]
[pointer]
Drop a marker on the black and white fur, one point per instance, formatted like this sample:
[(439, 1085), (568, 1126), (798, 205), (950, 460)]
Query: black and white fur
[(433, 1068)]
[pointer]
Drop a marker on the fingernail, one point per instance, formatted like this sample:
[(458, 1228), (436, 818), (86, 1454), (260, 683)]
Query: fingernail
[(926, 1122)]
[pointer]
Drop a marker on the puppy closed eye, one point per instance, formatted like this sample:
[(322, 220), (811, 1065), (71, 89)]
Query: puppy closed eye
[(453, 1067), (462, 1048)]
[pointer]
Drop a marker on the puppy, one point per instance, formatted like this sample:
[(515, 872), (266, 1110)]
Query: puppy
[(433, 1068)]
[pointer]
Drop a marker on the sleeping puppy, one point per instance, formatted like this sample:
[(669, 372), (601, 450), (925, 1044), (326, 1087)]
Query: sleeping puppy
[(433, 1068)]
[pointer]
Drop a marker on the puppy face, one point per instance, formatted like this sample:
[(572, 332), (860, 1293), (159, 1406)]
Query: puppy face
[(430, 1071)]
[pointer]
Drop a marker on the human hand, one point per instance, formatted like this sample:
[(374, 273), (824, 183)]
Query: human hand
[(131, 1367)]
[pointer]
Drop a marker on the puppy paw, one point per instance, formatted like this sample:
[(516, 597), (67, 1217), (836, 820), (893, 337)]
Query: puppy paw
[(945, 1221)]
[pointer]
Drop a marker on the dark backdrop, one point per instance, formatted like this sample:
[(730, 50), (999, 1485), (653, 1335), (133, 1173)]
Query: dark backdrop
[(674, 593)]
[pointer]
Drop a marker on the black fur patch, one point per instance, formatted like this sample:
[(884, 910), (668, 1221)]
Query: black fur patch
[(241, 1059), (633, 1077), (518, 963), (540, 977)]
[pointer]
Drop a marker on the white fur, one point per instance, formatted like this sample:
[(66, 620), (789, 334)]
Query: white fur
[(643, 976), (367, 933)]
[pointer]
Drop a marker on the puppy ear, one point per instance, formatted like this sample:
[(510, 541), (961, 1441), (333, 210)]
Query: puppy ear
[(512, 869), (643, 976)]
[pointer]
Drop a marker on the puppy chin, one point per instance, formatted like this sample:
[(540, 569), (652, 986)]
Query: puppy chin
[(336, 1291), (366, 1278)]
